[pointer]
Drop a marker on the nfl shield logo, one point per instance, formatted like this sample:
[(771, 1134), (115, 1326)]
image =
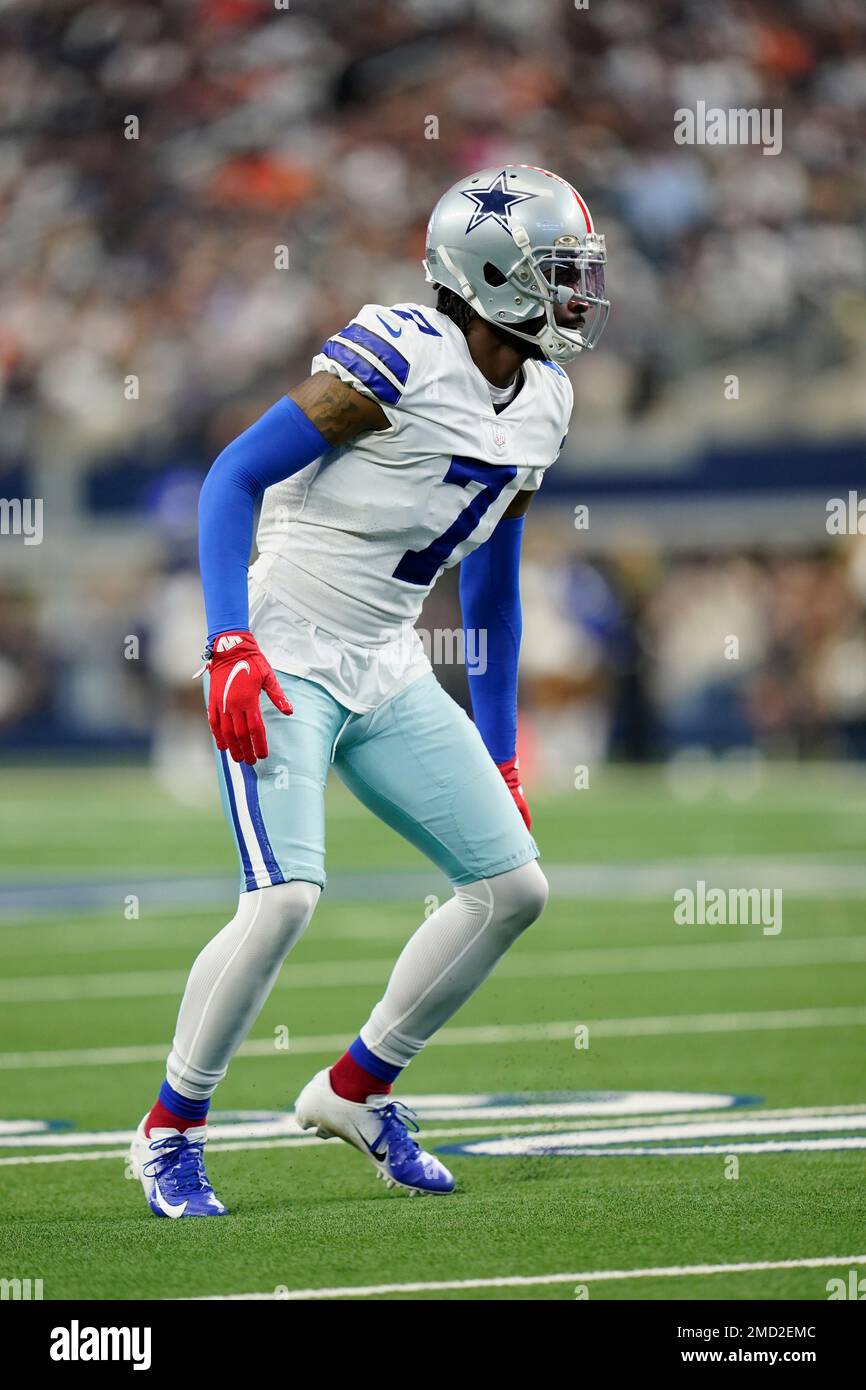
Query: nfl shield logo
[(499, 436)]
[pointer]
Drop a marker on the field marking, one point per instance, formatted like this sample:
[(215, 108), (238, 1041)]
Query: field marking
[(20, 1161), (733, 955), (288, 1135), (521, 1281), (299, 1141), (570, 1109), (642, 1139), (757, 1146), (607, 880), (479, 1035), (500, 1131), (712, 1128)]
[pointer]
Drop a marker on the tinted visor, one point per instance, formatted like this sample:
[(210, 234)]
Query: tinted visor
[(586, 279)]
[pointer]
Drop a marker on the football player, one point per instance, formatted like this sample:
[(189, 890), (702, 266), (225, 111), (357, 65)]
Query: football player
[(416, 444)]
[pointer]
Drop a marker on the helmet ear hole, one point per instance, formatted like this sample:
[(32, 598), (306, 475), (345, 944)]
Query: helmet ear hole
[(492, 274)]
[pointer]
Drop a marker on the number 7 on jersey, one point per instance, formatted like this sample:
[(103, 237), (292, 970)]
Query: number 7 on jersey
[(421, 566)]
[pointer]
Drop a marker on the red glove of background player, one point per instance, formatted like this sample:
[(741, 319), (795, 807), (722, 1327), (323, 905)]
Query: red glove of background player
[(238, 675), (511, 772)]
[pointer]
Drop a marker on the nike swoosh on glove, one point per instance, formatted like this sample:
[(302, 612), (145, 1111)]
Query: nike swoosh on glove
[(238, 675), (511, 772)]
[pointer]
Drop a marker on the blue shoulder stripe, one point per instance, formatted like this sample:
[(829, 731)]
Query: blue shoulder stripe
[(378, 383), (377, 347)]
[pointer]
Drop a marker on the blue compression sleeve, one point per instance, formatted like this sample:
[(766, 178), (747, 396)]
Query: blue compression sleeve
[(280, 443), (490, 599)]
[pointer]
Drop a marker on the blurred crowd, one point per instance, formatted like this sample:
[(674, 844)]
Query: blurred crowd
[(195, 193), (723, 655), (306, 126)]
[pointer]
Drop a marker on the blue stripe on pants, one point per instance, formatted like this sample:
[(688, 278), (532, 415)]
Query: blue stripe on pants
[(249, 876), (252, 789)]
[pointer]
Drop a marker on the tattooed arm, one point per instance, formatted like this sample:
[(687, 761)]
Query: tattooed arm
[(338, 411)]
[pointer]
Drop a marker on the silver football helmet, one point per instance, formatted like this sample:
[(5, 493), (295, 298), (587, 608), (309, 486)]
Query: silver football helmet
[(515, 243)]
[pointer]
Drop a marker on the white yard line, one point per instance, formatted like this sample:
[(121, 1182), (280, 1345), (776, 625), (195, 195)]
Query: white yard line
[(522, 1281), (250, 1144), (593, 1138), (19, 1161), (660, 1106), (671, 1025), (725, 1146), (599, 1136), (625, 960), (288, 1141), (639, 1132), (470, 1119)]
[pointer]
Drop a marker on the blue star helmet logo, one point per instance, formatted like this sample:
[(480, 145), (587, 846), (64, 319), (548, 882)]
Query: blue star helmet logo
[(494, 202)]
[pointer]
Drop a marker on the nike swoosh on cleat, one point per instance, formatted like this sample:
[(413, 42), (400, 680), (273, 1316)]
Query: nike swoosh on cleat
[(236, 669), (165, 1205), (380, 1158), (395, 332)]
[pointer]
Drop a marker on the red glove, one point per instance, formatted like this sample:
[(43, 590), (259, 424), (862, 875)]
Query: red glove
[(238, 675), (511, 772)]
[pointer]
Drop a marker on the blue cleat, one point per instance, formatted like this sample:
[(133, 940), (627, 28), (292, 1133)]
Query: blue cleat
[(170, 1168), (381, 1129)]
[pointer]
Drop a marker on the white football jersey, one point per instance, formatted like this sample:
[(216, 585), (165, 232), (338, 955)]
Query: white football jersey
[(352, 544)]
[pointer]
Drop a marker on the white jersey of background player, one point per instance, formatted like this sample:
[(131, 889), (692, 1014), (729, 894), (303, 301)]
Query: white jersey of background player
[(416, 443)]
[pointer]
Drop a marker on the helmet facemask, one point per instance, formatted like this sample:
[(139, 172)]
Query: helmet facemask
[(569, 269)]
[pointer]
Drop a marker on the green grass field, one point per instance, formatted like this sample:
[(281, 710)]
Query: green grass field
[(89, 995)]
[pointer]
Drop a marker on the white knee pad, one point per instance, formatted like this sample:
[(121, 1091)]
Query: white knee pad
[(280, 915), (517, 898)]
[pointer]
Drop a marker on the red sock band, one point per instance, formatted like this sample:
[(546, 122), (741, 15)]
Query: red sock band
[(352, 1082), (161, 1118)]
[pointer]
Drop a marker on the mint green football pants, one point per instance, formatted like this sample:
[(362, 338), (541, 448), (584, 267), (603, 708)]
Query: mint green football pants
[(417, 761)]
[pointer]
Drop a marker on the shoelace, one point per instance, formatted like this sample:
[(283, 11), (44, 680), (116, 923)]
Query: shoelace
[(184, 1158), (397, 1120)]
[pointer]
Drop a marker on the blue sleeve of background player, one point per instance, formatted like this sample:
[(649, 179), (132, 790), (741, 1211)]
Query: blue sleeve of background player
[(279, 444), (490, 600)]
